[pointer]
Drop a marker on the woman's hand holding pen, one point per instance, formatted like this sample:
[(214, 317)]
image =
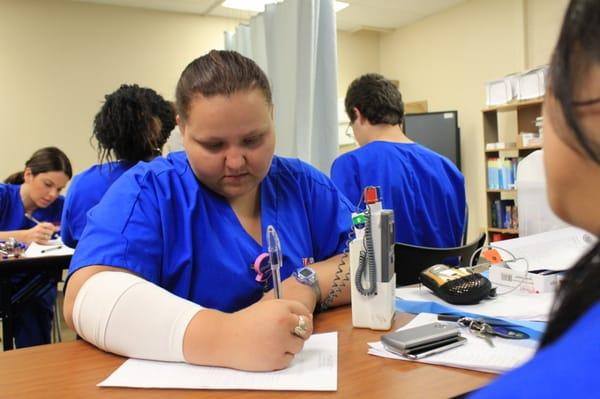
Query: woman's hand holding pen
[(261, 337), (264, 334), (40, 233)]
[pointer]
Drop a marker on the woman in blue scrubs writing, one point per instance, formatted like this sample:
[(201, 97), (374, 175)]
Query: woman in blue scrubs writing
[(34, 192), (566, 364), (133, 125), (164, 268)]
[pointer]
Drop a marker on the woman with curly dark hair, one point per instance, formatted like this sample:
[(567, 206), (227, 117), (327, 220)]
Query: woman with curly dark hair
[(133, 125), (566, 364)]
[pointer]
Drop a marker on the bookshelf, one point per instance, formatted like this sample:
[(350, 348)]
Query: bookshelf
[(503, 148)]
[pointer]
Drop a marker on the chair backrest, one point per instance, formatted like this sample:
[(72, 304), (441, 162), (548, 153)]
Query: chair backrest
[(411, 260)]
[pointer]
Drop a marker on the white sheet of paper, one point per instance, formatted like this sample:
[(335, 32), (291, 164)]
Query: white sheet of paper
[(476, 354), (552, 250), (515, 305), (52, 249), (313, 369)]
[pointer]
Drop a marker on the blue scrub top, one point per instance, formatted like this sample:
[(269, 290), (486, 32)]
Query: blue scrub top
[(12, 212), (425, 190), (567, 368), (85, 191), (158, 221)]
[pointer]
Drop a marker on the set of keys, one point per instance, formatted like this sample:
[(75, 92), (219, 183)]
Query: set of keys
[(484, 330)]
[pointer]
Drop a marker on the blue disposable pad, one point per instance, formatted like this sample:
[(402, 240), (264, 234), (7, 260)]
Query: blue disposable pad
[(535, 329)]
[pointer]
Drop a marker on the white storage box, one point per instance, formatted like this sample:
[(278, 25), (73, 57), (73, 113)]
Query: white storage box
[(501, 91), (531, 282), (532, 83)]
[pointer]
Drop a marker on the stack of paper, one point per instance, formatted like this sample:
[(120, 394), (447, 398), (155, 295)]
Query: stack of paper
[(313, 369), (476, 354), (551, 250)]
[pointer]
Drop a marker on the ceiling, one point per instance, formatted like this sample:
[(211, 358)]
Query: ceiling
[(375, 15)]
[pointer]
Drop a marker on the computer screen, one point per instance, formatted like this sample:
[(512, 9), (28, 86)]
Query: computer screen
[(437, 131)]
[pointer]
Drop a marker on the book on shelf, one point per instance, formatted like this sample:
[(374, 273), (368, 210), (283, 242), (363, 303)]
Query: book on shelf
[(502, 173), (504, 214)]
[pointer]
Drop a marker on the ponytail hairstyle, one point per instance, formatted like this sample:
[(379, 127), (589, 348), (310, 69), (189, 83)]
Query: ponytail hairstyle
[(220, 72), (133, 124), (47, 159)]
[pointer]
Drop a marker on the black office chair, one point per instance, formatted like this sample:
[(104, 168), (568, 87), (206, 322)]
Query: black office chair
[(411, 260)]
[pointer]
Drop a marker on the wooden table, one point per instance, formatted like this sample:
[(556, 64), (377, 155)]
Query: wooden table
[(72, 370), (42, 271)]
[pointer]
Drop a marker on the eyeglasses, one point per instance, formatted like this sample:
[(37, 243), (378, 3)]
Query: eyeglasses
[(349, 133)]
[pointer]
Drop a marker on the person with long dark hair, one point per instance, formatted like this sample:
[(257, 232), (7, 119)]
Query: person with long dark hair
[(132, 125), (35, 192), (30, 209), (566, 364)]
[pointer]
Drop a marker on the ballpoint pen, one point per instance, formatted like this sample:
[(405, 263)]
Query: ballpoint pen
[(34, 220), (30, 217), (51, 249), (274, 248)]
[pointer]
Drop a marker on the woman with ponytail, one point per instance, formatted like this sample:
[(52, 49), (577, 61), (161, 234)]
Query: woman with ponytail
[(30, 210), (132, 125)]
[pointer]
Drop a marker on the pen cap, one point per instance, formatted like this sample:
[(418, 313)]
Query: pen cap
[(273, 246)]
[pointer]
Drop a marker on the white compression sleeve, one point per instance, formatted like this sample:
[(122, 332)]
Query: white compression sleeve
[(127, 315)]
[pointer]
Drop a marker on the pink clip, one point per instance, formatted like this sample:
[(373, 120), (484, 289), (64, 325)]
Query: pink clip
[(259, 260)]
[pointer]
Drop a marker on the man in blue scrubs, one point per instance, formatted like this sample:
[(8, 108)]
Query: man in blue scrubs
[(195, 222), (425, 190)]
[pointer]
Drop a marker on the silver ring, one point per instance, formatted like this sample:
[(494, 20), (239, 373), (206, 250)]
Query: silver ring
[(301, 328)]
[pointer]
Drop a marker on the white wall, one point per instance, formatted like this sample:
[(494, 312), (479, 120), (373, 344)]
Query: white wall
[(59, 59), (447, 58)]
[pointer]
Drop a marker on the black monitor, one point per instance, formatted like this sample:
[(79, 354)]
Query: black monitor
[(437, 131)]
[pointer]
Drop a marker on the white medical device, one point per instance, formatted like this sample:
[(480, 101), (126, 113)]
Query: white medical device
[(372, 275)]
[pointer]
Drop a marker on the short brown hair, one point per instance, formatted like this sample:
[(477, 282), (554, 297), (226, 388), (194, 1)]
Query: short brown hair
[(220, 72)]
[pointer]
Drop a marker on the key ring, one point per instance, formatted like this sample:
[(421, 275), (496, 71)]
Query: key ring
[(474, 325)]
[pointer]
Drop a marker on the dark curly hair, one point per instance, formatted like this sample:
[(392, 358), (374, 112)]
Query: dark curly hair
[(133, 124), (220, 72), (376, 98), (47, 159)]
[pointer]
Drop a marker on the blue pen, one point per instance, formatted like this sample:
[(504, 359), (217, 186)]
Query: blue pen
[(275, 260)]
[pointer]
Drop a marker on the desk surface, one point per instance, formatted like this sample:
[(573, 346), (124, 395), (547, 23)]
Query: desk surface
[(35, 264), (72, 370)]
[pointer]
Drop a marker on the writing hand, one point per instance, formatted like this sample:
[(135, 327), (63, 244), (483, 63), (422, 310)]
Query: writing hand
[(261, 337), (40, 233)]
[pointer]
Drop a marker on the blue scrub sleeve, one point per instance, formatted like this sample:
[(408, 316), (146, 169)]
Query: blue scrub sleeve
[(344, 173), (66, 224), (124, 229), (330, 217)]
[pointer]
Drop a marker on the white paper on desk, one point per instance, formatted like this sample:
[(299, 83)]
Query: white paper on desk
[(553, 250), (36, 250), (313, 369), (516, 305), (476, 354)]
